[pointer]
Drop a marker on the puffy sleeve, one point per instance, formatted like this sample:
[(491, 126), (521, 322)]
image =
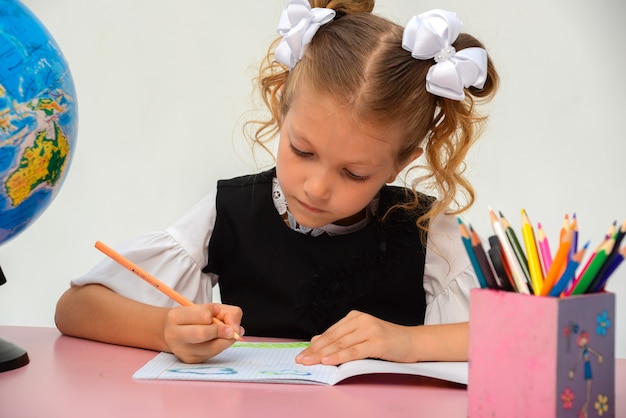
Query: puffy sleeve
[(175, 256), (448, 273)]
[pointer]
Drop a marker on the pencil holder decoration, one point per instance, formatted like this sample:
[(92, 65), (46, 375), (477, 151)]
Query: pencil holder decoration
[(541, 356)]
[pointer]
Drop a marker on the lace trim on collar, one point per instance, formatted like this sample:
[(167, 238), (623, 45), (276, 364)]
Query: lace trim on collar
[(280, 203)]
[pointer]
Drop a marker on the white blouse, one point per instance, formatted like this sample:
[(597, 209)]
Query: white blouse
[(177, 255)]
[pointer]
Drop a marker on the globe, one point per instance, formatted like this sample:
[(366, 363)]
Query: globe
[(38, 127), (38, 118)]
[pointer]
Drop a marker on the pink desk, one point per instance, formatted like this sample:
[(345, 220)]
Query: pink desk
[(69, 377)]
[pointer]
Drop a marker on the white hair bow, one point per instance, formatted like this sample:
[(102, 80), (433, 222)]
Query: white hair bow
[(430, 35), (298, 23)]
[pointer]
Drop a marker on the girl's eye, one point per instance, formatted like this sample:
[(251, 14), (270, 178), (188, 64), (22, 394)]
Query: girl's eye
[(299, 153), (355, 177)]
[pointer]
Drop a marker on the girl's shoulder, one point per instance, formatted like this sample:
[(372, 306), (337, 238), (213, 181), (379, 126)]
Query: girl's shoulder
[(248, 179)]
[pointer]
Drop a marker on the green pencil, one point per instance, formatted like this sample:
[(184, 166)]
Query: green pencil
[(594, 266)]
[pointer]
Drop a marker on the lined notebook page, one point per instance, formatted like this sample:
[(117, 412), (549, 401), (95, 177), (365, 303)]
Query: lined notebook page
[(274, 363), (243, 362)]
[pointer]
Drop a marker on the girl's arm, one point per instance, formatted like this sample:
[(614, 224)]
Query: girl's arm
[(360, 335), (97, 313), (448, 278)]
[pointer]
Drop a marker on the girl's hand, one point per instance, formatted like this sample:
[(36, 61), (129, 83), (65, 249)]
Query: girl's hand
[(358, 336), (193, 337)]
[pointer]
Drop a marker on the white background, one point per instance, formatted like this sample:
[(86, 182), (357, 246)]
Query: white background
[(164, 85)]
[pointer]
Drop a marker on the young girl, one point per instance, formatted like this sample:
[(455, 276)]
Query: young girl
[(321, 247)]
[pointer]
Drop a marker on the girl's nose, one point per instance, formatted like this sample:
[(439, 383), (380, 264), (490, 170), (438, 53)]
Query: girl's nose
[(317, 185)]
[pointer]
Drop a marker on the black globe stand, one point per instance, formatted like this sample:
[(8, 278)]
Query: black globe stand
[(11, 356)]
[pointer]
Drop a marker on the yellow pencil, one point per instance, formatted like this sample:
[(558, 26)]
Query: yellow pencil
[(534, 264), (124, 262)]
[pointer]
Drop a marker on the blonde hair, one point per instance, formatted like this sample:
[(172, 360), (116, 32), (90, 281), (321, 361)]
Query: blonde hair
[(358, 60)]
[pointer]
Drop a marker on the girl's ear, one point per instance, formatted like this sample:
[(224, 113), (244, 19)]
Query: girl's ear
[(418, 153)]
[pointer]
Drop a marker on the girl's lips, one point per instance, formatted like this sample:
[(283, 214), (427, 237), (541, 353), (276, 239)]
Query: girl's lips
[(308, 208)]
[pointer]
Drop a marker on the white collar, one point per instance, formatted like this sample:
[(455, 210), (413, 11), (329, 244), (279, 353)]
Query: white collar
[(331, 229)]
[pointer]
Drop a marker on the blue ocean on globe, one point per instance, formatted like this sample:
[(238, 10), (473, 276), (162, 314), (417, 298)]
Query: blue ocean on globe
[(38, 118)]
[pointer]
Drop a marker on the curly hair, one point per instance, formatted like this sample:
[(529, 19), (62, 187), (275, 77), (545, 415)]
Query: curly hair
[(358, 60)]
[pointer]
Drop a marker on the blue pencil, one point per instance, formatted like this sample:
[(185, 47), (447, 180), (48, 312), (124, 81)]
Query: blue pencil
[(570, 271), (465, 236)]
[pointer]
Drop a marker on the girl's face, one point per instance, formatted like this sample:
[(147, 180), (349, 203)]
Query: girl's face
[(328, 165)]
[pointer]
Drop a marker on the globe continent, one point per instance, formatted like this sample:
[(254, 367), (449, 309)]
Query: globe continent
[(38, 118)]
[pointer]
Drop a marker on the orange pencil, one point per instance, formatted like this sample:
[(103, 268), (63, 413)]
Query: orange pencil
[(564, 227), (559, 263), (569, 272), (124, 262)]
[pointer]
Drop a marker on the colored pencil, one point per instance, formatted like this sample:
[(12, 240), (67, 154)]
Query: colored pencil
[(582, 271), (482, 259), (574, 225), (517, 249), (615, 261), (139, 272), (544, 249), (499, 264), (534, 264), (621, 234), (565, 226), (611, 232), (513, 264), (598, 281), (569, 273), (594, 267), (465, 236), (559, 263)]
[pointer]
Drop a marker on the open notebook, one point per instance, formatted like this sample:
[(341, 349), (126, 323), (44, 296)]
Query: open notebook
[(274, 363)]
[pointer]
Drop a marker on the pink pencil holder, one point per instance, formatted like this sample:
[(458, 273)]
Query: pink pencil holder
[(539, 356)]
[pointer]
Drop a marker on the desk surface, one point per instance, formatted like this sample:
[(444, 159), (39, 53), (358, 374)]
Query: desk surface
[(70, 377)]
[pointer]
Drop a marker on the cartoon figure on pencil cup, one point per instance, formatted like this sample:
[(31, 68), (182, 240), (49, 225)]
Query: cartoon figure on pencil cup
[(585, 351), (339, 256)]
